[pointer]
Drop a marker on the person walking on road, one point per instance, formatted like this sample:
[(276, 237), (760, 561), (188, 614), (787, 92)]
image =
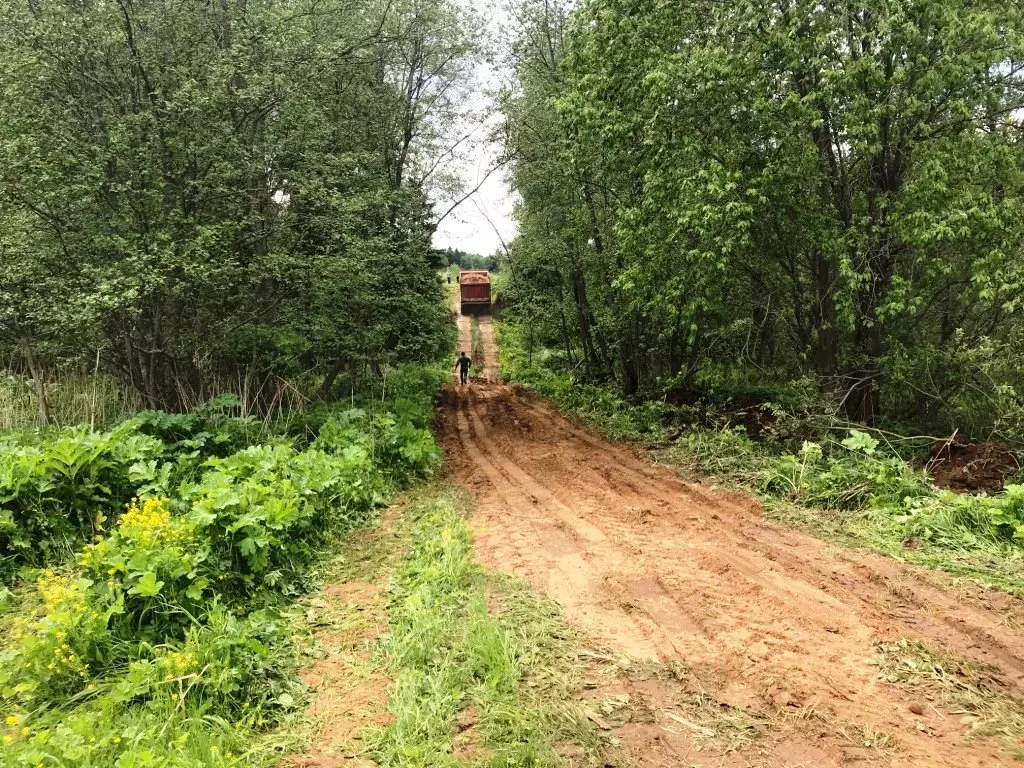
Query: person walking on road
[(463, 364)]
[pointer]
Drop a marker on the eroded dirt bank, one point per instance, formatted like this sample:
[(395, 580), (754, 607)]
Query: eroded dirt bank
[(763, 619)]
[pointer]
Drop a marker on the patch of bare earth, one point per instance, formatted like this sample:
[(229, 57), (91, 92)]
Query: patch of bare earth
[(760, 641), (466, 746), (485, 370), (349, 694)]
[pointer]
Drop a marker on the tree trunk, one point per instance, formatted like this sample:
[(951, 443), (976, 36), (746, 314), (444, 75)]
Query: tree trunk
[(823, 317), (331, 377), (38, 380), (579, 290)]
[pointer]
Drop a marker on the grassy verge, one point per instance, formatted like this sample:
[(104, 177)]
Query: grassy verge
[(476, 341), (958, 684), (467, 653), (837, 483)]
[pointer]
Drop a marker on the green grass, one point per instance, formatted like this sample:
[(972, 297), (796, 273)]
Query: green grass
[(476, 342), (959, 684), (474, 686)]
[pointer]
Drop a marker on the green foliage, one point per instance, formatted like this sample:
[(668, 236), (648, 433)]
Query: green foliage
[(210, 429), (770, 192), (54, 647), (943, 518), (849, 478), (164, 644), (458, 259), (57, 489), (188, 704), (402, 449), (230, 199), (264, 509)]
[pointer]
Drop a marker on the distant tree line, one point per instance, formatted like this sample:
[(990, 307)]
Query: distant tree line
[(464, 260)]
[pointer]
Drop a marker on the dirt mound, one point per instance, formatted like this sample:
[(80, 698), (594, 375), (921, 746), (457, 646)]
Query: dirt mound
[(971, 467), (470, 279)]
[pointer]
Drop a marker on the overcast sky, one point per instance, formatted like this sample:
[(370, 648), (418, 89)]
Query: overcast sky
[(475, 225), (480, 223)]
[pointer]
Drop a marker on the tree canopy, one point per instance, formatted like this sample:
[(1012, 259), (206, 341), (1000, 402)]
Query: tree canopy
[(194, 194), (715, 191)]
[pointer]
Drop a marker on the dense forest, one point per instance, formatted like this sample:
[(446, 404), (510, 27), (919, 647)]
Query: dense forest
[(727, 195), (207, 197)]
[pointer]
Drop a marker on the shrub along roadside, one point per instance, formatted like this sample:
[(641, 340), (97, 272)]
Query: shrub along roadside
[(842, 481), (59, 488), (166, 643)]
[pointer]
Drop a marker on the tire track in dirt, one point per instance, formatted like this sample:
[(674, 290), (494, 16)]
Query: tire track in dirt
[(662, 619), (485, 370), (855, 576), (777, 620)]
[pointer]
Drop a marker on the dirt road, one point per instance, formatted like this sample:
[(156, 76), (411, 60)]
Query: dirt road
[(485, 360), (764, 619)]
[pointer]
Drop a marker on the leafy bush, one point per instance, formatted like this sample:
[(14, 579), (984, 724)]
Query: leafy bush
[(184, 704), (153, 649), (406, 450), (210, 430), (57, 489), (151, 565), (412, 391), (849, 478), (401, 449), (726, 453), (263, 509), (943, 518), (55, 647)]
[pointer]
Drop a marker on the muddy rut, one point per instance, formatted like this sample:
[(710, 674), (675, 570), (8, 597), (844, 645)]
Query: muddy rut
[(771, 620)]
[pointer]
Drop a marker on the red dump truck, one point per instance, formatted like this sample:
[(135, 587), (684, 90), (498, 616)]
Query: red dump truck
[(475, 290)]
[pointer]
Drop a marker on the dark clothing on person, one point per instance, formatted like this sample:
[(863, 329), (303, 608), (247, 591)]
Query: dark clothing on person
[(463, 364)]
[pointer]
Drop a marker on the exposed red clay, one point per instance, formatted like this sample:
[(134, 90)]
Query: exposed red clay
[(659, 569)]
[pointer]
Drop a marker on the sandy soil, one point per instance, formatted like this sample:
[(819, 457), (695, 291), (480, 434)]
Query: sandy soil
[(348, 696), (770, 620)]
